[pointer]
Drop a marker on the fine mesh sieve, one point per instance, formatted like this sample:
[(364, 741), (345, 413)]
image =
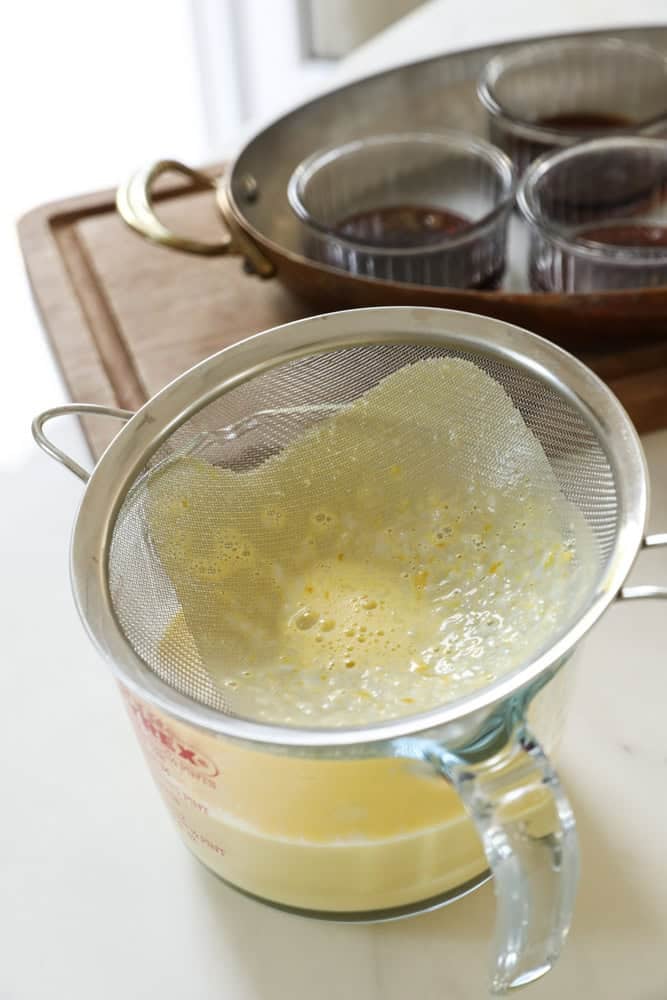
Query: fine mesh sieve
[(242, 427)]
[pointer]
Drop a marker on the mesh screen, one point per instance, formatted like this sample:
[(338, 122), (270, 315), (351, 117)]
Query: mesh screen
[(247, 425)]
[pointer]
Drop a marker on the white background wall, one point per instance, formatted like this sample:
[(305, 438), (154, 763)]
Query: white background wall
[(87, 91)]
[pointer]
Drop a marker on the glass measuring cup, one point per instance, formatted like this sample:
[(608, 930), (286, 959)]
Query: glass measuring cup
[(349, 835), (259, 803)]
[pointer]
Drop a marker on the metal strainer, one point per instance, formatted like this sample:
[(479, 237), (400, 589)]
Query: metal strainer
[(244, 405), (186, 540)]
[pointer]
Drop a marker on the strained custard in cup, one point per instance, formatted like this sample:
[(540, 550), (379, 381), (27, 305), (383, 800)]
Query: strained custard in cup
[(405, 549)]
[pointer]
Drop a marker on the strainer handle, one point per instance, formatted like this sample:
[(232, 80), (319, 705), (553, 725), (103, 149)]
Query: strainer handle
[(645, 591), (71, 409), (527, 828)]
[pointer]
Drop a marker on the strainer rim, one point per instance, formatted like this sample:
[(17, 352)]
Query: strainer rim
[(117, 469)]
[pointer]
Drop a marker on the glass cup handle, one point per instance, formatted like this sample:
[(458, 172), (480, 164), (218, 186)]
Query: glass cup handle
[(528, 832)]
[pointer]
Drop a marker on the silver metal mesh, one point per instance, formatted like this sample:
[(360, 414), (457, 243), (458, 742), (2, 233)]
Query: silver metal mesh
[(247, 424)]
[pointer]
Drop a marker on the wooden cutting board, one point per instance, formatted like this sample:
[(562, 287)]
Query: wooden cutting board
[(124, 317)]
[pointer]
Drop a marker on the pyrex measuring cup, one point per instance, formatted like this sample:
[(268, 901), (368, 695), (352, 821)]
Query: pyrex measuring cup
[(403, 814)]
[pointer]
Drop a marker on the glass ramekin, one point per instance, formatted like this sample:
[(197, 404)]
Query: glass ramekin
[(597, 214), (553, 94), (430, 209)]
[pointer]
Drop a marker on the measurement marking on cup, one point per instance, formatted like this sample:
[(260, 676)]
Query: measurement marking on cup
[(196, 836), (161, 741), (177, 796)]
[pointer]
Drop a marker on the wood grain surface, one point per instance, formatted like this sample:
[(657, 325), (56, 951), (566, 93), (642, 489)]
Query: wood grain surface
[(124, 317)]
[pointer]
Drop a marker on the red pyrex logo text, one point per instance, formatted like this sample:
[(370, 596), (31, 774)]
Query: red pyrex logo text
[(167, 741)]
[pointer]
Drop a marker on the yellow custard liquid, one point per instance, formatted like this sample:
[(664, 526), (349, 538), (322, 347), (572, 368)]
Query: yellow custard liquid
[(323, 835)]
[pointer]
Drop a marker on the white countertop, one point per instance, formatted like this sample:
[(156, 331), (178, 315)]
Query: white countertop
[(99, 898)]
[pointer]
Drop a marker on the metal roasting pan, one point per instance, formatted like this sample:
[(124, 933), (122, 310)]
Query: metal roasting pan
[(438, 93)]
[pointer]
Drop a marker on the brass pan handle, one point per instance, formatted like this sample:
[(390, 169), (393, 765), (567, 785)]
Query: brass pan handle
[(134, 201)]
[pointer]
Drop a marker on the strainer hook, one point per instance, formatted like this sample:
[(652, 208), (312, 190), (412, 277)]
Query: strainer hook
[(71, 409), (646, 591)]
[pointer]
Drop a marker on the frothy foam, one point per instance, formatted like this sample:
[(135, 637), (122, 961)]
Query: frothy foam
[(395, 556)]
